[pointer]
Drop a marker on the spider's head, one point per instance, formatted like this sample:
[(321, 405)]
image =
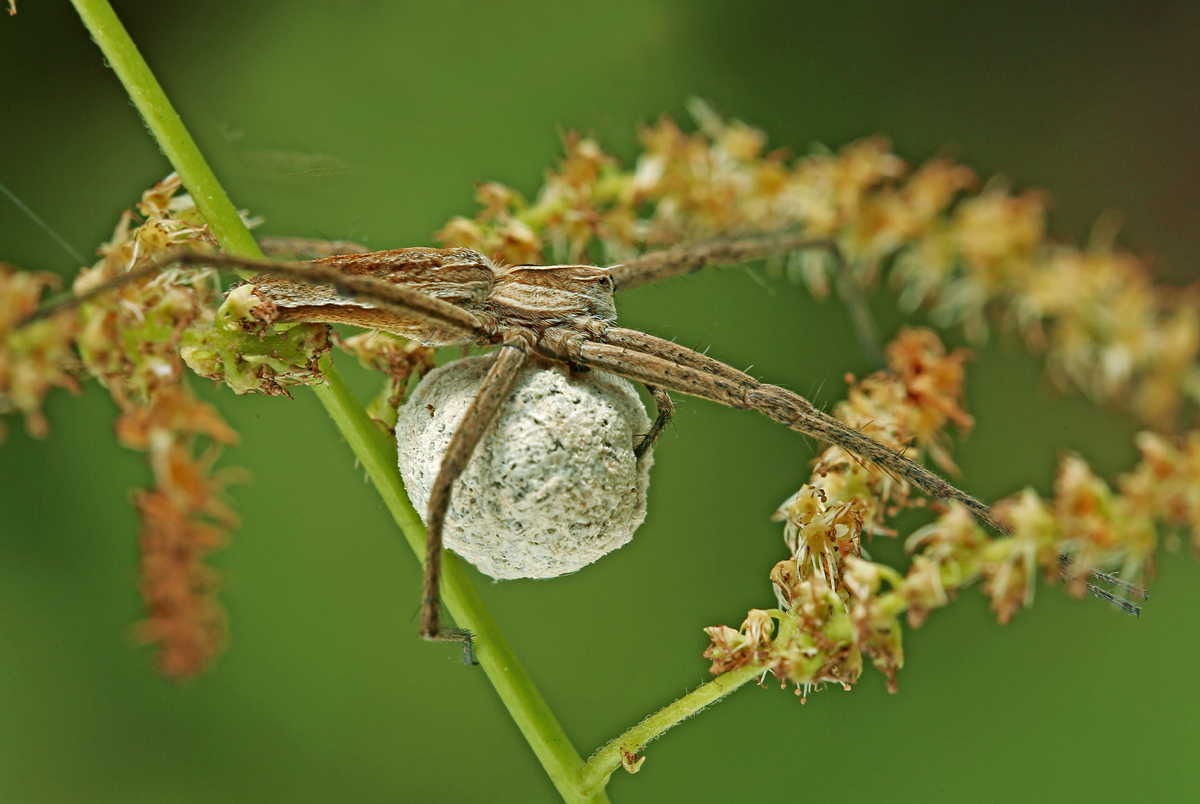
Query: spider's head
[(555, 295)]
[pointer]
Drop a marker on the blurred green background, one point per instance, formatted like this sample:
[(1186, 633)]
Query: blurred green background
[(373, 120)]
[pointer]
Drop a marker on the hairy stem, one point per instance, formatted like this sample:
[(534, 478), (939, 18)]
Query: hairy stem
[(610, 757), (376, 454)]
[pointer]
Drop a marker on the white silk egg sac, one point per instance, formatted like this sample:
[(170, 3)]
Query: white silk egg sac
[(552, 486)]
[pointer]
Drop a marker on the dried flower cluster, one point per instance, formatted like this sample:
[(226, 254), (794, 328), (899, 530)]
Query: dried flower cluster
[(972, 256), (835, 607), (184, 518), (1103, 325), (399, 359), (130, 341), (832, 607), (240, 345), (129, 338), (34, 358), (135, 339)]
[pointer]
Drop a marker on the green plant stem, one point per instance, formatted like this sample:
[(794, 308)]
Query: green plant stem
[(606, 760), (370, 445), (526, 705), (164, 123)]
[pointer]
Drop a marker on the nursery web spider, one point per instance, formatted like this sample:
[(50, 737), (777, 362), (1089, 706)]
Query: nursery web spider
[(557, 313)]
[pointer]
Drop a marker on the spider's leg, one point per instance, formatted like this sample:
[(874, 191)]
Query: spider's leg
[(305, 248), (387, 298), (492, 392), (1069, 572), (688, 258), (635, 341), (390, 298), (657, 362), (691, 257), (665, 410)]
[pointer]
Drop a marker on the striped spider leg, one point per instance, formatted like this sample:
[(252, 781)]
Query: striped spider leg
[(691, 257), (561, 313)]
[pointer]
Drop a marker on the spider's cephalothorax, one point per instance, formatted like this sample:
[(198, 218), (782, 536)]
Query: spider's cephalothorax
[(578, 297)]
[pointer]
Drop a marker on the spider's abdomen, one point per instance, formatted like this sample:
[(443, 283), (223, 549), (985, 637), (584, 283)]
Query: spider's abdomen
[(459, 276), (456, 275)]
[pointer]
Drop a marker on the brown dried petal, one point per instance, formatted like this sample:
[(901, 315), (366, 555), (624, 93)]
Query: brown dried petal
[(34, 357)]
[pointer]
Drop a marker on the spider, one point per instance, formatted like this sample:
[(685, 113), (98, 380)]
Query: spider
[(563, 314)]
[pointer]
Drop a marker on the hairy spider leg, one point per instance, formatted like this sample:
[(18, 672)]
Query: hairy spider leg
[(660, 365), (664, 410), (405, 305), (689, 258), (657, 362), (496, 385)]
